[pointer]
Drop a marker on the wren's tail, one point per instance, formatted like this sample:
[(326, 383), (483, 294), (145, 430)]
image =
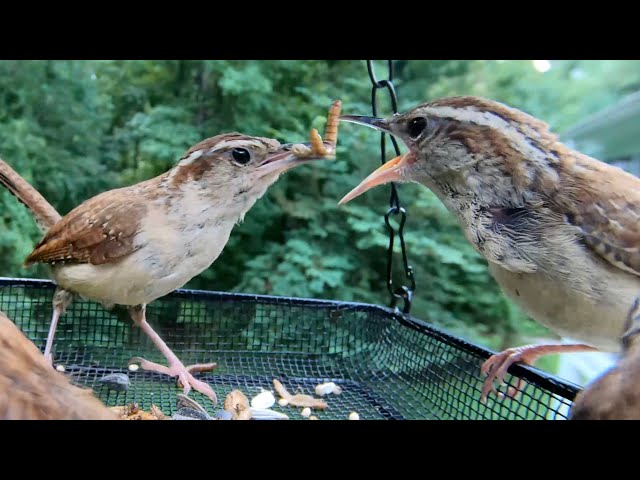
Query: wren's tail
[(45, 215)]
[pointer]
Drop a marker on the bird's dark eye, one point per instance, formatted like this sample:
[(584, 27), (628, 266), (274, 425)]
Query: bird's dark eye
[(417, 126), (241, 155)]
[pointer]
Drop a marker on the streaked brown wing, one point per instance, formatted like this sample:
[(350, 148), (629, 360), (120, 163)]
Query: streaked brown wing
[(607, 211), (100, 230)]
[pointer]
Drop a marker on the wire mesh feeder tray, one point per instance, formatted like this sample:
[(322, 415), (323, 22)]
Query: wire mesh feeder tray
[(388, 365)]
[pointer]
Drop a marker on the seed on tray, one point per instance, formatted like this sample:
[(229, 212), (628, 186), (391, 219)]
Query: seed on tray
[(264, 399), (267, 414), (116, 381), (186, 413), (327, 388)]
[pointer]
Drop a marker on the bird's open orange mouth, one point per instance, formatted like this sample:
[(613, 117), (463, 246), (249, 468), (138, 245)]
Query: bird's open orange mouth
[(392, 171)]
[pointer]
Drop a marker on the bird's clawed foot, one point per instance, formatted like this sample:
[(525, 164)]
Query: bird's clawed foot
[(496, 366), (185, 379)]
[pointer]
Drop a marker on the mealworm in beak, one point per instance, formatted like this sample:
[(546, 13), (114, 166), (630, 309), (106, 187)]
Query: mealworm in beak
[(331, 129), (318, 146)]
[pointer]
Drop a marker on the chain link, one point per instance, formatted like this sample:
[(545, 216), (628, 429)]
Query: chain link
[(402, 292)]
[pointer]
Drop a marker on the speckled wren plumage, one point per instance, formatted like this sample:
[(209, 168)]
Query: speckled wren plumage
[(560, 230), (132, 245)]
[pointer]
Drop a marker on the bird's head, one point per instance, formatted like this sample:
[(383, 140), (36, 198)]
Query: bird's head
[(464, 145), (236, 169)]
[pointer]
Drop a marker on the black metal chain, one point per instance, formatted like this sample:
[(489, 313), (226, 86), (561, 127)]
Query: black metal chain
[(402, 292)]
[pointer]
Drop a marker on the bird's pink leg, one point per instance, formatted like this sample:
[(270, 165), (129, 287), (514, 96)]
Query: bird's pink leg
[(61, 300), (176, 368), (496, 366)]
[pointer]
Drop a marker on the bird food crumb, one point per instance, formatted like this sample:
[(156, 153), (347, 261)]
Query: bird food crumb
[(132, 412), (264, 399), (298, 400), (327, 388), (237, 404)]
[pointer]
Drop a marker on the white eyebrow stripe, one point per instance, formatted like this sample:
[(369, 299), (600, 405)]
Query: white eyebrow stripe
[(222, 145), (468, 115), (235, 144), (496, 122), (191, 158)]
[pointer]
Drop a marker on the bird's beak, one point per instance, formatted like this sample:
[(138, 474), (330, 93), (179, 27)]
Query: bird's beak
[(392, 171), (372, 122), (285, 159)]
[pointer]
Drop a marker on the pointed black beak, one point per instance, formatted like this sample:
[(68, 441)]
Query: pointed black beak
[(372, 122)]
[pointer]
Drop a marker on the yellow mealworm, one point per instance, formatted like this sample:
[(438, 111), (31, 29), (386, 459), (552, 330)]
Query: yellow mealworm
[(317, 145), (331, 129)]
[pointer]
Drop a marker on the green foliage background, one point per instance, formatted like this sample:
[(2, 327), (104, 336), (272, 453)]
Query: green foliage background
[(76, 128)]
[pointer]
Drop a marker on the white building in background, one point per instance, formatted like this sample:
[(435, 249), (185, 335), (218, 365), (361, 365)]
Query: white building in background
[(613, 136)]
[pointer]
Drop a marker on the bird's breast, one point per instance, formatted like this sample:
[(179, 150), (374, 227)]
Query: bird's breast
[(171, 250), (595, 316), (175, 253)]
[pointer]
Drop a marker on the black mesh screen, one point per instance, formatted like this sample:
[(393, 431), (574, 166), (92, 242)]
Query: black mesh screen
[(389, 366)]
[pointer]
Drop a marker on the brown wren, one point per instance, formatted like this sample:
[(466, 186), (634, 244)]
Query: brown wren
[(560, 230), (132, 245)]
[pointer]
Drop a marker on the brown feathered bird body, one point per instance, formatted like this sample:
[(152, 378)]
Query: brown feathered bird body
[(560, 230)]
